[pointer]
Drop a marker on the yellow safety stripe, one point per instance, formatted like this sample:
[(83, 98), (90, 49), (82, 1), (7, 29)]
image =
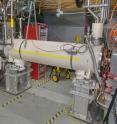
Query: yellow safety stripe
[(64, 111), (46, 55), (21, 96)]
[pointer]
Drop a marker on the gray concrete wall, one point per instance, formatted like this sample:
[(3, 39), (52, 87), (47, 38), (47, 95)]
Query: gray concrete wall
[(64, 28)]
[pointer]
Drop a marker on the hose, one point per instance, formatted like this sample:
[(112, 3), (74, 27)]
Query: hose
[(106, 119), (27, 29), (94, 61)]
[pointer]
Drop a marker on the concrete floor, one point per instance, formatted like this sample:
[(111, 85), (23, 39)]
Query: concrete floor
[(38, 105)]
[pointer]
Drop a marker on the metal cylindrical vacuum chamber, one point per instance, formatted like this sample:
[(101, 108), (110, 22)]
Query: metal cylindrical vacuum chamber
[(54, 53)]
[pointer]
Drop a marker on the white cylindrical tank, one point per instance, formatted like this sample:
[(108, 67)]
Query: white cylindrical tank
[(97, 30), (52, 53)]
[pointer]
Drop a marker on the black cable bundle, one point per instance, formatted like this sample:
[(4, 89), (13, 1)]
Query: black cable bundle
[(79, 3), (106, 119)]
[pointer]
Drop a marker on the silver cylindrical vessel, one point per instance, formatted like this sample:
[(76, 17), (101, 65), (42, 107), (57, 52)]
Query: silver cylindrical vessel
[(52, 53)]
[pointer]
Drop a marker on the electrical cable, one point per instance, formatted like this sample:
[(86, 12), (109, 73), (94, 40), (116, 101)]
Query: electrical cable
[(27, 29), (94, 61), (20, 49), (36, 28), (44, 49), (74, 48), (72, 51), (115, 110), (71, 61), (32, 4), (106, 119), (71, 57), (67, 45), (81, 47)]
